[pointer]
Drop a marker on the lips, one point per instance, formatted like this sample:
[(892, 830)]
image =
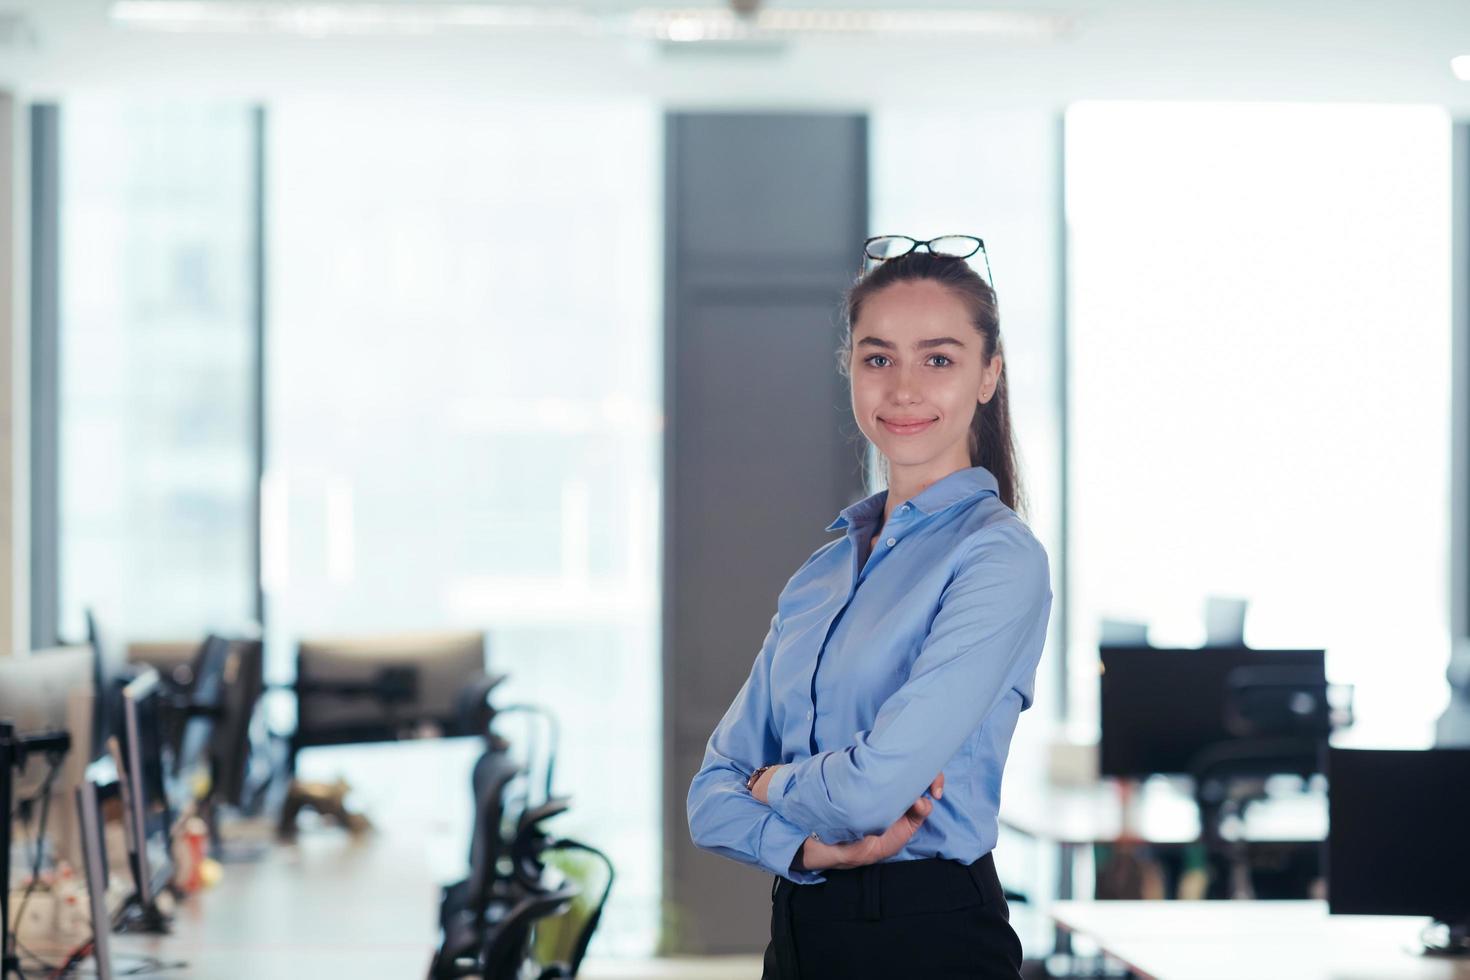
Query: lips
[(907, 427)]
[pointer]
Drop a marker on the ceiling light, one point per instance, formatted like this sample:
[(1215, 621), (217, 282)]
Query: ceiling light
[(320, 18)]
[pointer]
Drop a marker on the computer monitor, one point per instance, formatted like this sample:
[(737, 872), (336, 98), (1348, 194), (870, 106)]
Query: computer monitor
[(242, 679), (195, 709), (108, 677), (146, 761), (1161, 707), (215, 686), (1397, 842), (377, 688), (51, 690), (101, 784)]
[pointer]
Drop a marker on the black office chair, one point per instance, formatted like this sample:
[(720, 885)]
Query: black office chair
[(565, 937), (466, 905), (507, 946), (1281, 718)]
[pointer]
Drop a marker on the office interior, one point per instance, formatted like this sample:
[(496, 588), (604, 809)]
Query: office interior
[(411, 412)]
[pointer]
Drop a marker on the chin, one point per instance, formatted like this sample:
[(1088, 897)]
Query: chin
[(904, 455)]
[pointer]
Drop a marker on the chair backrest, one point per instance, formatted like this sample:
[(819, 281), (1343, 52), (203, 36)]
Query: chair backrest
[(508, 942), (1217, 769), (531, 838), (538, 738), (561, 941), (473, 711), (1277, 700), (493, 773)]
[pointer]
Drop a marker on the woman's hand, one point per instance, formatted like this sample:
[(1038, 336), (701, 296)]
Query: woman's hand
[(816, 856)]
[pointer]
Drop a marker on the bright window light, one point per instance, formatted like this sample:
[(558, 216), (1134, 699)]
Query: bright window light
[(1260, 359)]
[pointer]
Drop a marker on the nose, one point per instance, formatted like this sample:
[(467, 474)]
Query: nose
[(905, 390)]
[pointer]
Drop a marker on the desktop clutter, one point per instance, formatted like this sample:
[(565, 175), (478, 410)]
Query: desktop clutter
[(159, 760)]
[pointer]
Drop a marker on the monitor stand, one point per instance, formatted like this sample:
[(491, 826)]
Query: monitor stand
[(229, 851), (135, 916), (1456, 942)]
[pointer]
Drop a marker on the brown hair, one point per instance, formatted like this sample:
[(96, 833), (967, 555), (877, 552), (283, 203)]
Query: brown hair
[(992, 444)]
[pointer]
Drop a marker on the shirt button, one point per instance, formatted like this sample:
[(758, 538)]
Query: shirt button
[(892, 542), (809, 715)]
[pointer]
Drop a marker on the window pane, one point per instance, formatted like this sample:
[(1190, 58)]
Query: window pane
[(157, 360), (464, 365), (1260, 339)]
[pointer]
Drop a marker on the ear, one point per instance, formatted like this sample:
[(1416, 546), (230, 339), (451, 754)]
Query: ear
[(989, 379)]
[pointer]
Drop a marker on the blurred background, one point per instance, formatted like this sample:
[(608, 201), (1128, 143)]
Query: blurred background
[(365, 317)]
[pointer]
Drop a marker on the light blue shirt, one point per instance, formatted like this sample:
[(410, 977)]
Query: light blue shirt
[(878, 674)]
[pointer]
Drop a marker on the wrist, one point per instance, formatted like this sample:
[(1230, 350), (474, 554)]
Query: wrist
[(755, 777), (759, 782), (812, 855)]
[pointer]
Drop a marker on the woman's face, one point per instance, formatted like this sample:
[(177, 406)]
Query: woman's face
[(918, 370)]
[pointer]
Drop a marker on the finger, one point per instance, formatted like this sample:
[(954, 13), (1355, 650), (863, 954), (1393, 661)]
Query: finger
[(936, 788), (920, 809)]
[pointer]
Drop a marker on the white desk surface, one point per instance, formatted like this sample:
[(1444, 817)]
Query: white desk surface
[(1255, 941), (1163, 813)]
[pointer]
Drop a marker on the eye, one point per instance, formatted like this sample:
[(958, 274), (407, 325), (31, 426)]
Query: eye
[(874, 357), (942, 357)]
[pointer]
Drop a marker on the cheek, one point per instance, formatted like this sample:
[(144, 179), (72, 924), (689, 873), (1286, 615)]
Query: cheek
[(953, 394)]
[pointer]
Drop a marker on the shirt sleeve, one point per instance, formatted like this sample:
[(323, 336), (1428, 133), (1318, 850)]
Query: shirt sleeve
[(724, 818), (985, 639)]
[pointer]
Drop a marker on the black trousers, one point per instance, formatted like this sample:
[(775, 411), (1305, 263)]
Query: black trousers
[(935, 918)]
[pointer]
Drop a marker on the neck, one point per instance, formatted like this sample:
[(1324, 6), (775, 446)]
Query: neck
[(907, 482)]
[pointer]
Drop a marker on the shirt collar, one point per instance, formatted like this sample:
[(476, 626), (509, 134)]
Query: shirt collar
[(957, 486)]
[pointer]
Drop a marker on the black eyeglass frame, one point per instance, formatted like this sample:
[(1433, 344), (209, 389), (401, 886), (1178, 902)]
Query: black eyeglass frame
[(915, 243)]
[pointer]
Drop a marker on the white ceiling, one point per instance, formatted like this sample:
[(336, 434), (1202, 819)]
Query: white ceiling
[(1351, 50)]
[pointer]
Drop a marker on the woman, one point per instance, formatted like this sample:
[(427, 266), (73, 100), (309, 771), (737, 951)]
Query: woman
[(861, 761)]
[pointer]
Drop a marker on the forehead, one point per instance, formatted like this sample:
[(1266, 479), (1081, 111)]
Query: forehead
[(912, 311)]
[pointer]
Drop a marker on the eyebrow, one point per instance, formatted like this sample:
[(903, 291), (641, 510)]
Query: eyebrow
[(921, 345)]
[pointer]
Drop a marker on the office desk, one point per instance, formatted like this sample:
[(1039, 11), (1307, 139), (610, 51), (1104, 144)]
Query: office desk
[(1162, 811), (1255, 940)]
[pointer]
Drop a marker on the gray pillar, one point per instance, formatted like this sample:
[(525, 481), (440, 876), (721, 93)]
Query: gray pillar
[(45, 374), (765, 217), (14, 358)]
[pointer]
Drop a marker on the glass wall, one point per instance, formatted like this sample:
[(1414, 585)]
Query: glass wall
[(1259, 321), (465, 415), (156, 348)]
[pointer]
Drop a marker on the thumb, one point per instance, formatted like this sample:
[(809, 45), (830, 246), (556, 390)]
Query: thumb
[(936, 788)]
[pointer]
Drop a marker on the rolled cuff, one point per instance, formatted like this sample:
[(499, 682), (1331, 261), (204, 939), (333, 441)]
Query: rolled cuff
[(779, 844), (782, 797)]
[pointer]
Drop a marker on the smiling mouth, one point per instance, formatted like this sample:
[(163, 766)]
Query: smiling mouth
[(907, 428)]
